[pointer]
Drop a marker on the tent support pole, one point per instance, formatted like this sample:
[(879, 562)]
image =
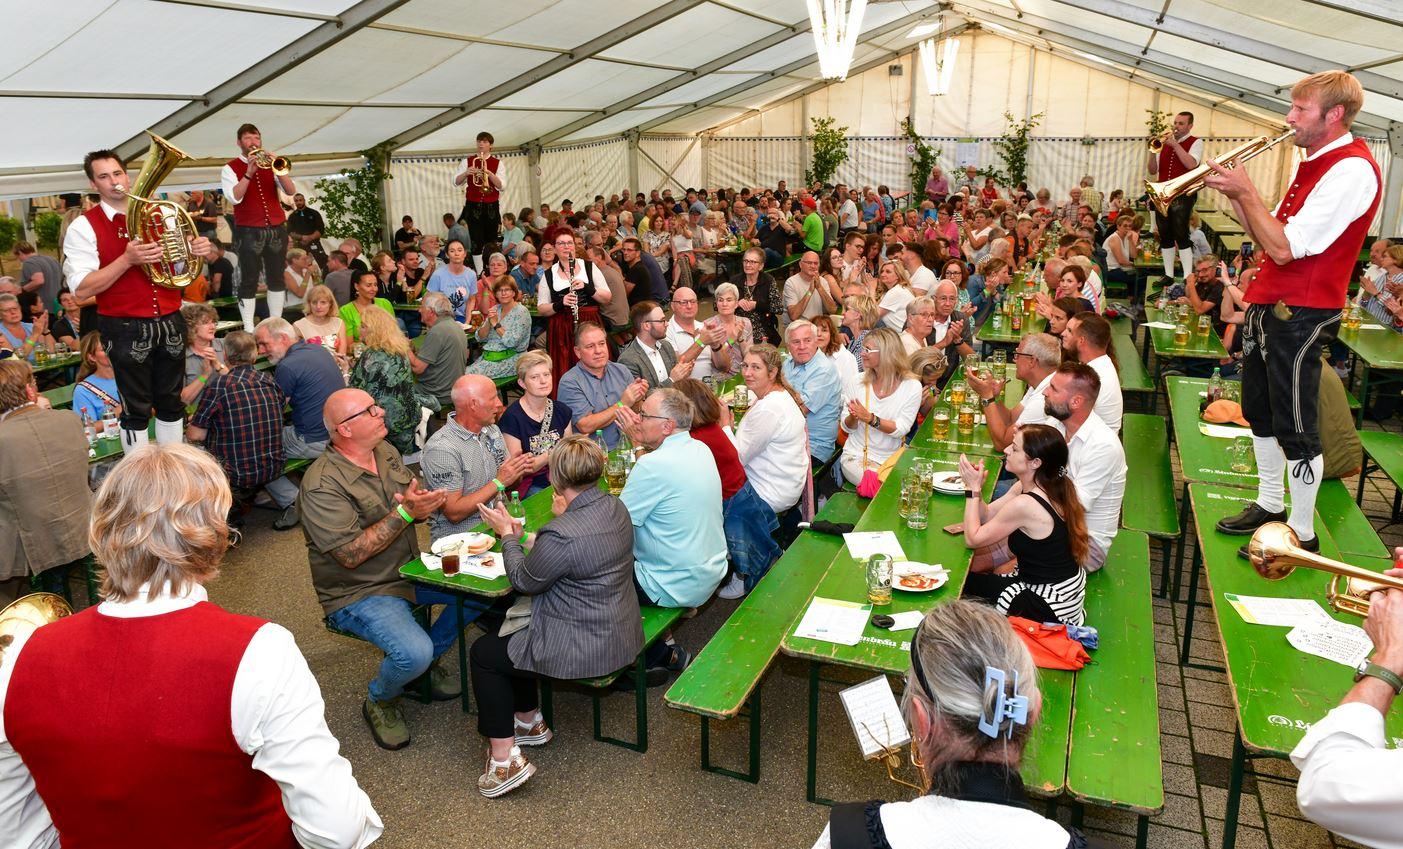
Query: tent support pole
[(1388, 223), (533, 174), (634, 181)]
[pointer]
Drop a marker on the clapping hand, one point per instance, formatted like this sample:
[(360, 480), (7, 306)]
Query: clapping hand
[(420, 502), (984, 388), (857, 411), (635, 392), (499, 520), (973, 474), (513, 468)]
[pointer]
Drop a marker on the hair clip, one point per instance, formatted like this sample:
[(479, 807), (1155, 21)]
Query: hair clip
[(1013, 708)]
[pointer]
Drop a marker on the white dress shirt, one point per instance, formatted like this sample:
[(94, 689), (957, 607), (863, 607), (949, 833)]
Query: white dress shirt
[(276, 715), (1350, 783), (773, 445), (963, 824), (1096, 464), (1109, 401), (1342, 195), (681, 340), (1031, 409), (655, 358), (80, 247)]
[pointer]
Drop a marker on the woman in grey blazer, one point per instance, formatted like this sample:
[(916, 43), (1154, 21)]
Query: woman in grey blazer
[(584, 611)]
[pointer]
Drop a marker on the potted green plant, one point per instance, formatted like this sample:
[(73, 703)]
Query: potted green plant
[(350, 201), (1012, 148), (923, 158), (830, 146)]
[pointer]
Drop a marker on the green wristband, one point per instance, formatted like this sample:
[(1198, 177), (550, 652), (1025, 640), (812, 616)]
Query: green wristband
[(404, 514), (501, 487)]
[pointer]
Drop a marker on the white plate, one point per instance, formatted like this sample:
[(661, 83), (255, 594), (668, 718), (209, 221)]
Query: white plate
[(458, 541), (939, 574), (949, 483)]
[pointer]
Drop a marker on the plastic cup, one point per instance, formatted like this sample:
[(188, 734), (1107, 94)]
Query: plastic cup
[(450, 564)]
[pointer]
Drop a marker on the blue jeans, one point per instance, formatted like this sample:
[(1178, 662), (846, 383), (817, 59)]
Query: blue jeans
[(749, 522), (388, 623)]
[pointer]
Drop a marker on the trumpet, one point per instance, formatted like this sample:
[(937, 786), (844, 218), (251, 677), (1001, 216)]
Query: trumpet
[(1157, 144), (1164, 192), (279, 165), (1275, 552)]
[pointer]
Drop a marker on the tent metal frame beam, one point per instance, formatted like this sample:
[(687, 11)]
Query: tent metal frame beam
[(735, 91), (1383, 11), (1231, 42), (1171, 68), (676, 82), (99, 95), (588, 50), (300, 50)]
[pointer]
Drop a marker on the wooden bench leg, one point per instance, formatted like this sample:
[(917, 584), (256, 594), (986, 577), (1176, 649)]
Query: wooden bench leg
[(753, 774), (811, 777), (1142, 831), (640, 718), (1239, 763)]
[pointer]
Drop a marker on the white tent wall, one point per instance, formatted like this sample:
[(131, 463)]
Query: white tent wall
[(579, 172), (423, 188), (685, 152)]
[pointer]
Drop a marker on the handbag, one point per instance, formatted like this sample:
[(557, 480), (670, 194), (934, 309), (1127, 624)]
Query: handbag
[(869, 484)]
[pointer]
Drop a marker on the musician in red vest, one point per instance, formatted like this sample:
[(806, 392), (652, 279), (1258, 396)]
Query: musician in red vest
[(260, 225), (480, 209), (1182, 151), (142, 331), (1309, 245), (156, 719)]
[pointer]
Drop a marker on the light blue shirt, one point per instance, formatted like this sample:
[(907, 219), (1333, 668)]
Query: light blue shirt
[(821, 388), (586, 395), (679, 546), (446, 282)]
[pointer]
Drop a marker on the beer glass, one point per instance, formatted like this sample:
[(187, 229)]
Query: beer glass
[(957, 392), (1241, 457), (966, 420), (616, 473), (1205, 326), (919, 509), (940, 423), (879, 575)]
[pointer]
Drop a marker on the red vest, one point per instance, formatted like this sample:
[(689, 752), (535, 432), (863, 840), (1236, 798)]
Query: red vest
[(1169, 164), (133, 295), (125, 726), (260, 206), (488, 195), (1320, 281)]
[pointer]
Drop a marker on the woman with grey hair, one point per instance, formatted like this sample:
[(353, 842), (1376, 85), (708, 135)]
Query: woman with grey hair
[(970, 702)]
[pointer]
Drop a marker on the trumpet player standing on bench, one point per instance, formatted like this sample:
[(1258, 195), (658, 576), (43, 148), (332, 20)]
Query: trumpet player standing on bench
[(143, 333), (1180, 152), (1309, 245), (260, 226), (1351, 782), (482, 178)]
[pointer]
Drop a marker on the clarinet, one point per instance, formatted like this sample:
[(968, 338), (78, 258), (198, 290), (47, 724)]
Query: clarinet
[(575, 307)]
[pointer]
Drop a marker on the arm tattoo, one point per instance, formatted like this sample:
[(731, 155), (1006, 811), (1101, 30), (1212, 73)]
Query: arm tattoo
[(371, 542)]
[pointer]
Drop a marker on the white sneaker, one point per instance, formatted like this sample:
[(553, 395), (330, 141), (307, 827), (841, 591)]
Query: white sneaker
[(734, 588)]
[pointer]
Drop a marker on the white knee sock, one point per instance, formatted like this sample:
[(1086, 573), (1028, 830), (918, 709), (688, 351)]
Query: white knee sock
[(1167, 253), (1271, 474), (169, 433), (1186, 256), (276, 300), (133, 439), (246, 308), (1305, 485)]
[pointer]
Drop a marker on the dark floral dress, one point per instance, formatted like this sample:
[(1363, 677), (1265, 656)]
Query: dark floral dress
[(390, 381)]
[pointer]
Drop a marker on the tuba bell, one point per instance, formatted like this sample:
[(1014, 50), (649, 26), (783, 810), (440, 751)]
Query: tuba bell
[(1275, 552), (29, 613), (1164, 192), (161, 221)]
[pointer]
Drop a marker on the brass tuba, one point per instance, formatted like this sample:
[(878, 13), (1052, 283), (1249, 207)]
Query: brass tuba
[(1275, 551), (1164, 192), (161, 221), (25, 615), (279, 165)]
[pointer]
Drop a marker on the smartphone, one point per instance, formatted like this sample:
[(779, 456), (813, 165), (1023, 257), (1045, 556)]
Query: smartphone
[(957, 528), (1247, 251)]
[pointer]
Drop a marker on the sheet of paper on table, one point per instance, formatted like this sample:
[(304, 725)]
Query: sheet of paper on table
[(833, 621), (1223, 431), (875, 716), (487, 565), (1260, 610), (1338, 641), (864, 544)]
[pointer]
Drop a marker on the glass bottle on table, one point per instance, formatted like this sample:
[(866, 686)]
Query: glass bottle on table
[(1215, 385), (516, 510)]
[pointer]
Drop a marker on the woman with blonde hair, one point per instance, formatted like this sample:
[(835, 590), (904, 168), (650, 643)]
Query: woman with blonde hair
[(895, 285), (535, 423), (880, 413), (383, 370), (96, 390), (860, 317), (772, 440), (929, 364), (321, 324), (300, 276)]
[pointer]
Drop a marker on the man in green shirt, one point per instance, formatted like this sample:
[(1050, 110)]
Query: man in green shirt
[(813, 224)]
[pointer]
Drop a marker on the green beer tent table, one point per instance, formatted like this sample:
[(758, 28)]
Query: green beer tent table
[(1277, 691), (979, 442), (1379, 349), (1006, 335)]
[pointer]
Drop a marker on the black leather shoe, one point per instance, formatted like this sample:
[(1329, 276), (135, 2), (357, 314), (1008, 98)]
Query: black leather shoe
[(1312, 545), (1246, 523)]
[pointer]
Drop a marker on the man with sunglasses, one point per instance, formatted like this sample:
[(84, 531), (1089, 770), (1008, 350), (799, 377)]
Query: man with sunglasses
[(359, 505), (308, 375)]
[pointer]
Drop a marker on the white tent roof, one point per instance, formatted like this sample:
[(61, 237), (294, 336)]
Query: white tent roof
[(326, 78)]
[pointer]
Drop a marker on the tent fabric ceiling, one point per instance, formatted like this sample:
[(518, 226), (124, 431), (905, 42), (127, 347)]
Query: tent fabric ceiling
[(407, 67)]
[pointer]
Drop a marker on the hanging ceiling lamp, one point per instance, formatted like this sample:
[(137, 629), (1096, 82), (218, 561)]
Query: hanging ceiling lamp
[(836, 26), (939, 71)]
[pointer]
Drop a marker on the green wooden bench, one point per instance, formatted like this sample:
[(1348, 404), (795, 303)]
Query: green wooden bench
[(1383, 452), (727, 672), (656, 622), (1133, 375), (91, 575), (1149, 505), (295, 464), (1352, 531), (1113, 759), (60, 397)]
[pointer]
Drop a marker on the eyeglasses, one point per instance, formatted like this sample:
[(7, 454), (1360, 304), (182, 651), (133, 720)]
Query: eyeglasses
[(1022, 354), (371, 410), (651, 416)]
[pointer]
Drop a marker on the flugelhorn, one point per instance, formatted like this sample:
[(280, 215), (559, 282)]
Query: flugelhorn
[(279, 165), (163, 222), (1164, 192), (1275, 551), (480, 180), (29, 613)]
